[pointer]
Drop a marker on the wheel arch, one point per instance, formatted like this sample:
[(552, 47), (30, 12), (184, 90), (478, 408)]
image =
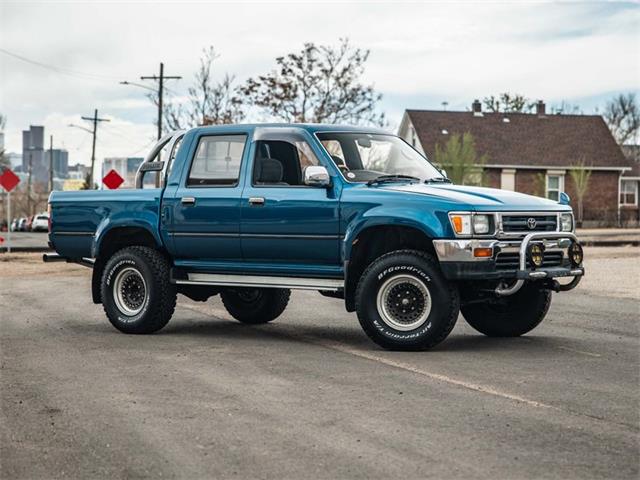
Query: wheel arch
[(112, 239), (375, 240)]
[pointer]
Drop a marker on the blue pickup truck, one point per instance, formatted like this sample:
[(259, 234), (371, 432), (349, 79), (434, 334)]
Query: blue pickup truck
[(252, 211)]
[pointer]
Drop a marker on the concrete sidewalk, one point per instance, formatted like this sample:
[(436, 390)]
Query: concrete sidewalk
[(609, 237)]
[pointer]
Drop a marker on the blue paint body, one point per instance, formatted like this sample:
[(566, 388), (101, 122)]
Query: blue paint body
[(299, 230)]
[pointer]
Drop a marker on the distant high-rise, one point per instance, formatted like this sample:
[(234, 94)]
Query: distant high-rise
[(60, 162), (33, 154)]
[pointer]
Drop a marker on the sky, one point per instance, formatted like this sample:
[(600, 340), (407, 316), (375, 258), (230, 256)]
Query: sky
[(422, 54)]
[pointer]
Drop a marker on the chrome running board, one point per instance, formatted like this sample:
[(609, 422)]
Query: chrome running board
[(332, 284)]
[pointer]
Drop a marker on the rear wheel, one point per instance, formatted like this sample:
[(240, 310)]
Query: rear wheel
[(404, 302), (510, 316), (137, 295), (255, 305)]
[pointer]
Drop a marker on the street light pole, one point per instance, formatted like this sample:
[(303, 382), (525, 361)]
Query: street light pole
[(51, 163)]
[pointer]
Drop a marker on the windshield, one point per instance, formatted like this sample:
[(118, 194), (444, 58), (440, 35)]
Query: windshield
[(362, 157)]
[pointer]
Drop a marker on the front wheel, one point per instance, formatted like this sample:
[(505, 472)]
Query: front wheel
[(137, 295), (255, 305), (510, 316), (404, 302)]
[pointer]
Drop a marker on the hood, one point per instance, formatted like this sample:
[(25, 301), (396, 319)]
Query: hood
[(479, 198)]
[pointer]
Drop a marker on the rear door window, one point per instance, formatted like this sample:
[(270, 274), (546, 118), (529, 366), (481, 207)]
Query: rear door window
[(217, 161)]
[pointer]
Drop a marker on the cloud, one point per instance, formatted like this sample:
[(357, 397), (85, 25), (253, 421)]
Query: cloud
[(421, 54)]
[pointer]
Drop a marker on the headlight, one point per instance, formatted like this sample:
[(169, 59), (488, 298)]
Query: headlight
[(468, 224), (566, 222), (481, 224)]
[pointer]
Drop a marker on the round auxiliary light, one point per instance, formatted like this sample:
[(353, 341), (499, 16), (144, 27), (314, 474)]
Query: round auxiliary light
[(575, 254), (536, 255)]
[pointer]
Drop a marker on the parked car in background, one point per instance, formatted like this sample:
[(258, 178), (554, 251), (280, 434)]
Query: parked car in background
[(40, 223), (22, 225), (14, 224)]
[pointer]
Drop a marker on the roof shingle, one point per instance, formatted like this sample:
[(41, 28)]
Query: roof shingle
[(525, 139)]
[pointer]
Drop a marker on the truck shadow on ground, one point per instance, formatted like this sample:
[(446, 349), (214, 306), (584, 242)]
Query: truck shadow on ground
[(347, 335)]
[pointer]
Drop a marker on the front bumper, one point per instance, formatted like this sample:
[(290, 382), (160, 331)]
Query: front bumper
[(458, 262)]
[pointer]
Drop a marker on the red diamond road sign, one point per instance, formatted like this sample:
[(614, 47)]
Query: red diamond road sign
[(112, 179), (9, 180)]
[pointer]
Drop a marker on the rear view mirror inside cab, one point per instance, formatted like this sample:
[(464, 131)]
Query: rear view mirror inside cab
[(364, 142)]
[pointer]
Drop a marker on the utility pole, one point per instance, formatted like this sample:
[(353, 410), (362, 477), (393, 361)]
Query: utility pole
[(50, 163), (161, 78), (95, 121)]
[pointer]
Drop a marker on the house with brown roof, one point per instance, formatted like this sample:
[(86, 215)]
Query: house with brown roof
[(534, 153)]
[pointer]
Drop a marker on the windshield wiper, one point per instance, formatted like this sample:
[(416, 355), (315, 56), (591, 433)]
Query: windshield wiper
[(392, 178), (437, 180)]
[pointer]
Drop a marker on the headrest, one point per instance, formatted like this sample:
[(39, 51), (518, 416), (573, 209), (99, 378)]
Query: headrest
[(269, 170), (338, 161)]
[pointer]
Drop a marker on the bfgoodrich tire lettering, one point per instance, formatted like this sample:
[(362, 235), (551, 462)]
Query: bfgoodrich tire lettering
[(418, 320), (152, 302)]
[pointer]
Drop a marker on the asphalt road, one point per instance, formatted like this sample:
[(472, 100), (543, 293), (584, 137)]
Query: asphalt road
[(309, 396)]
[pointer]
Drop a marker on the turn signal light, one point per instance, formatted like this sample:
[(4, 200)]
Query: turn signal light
[(483, 252)]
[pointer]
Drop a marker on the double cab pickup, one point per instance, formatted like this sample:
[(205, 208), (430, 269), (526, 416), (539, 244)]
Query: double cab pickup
[(251, 212)]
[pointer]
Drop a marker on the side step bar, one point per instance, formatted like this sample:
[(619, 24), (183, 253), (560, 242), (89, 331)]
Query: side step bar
[(54, 257), (330, 284)]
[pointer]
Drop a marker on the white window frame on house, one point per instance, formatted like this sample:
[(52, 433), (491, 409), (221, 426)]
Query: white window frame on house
[(508, 179), (624, 192), (560, 189)]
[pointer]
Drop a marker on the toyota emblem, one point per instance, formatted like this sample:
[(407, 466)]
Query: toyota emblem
[(531, 223)]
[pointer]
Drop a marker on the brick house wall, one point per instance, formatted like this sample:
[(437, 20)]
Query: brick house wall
[(600, 203)]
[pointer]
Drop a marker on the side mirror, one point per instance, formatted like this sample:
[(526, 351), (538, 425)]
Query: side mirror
[(444, 173), (316, 176), (564, 199)]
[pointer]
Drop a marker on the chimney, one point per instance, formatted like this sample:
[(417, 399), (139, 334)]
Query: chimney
[(476, 108), (540, 108)]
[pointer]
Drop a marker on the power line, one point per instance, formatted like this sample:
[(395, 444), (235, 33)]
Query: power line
[(61, 70)]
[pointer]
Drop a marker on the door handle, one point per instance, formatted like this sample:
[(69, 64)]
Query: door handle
[(256, 200), (188, 200)]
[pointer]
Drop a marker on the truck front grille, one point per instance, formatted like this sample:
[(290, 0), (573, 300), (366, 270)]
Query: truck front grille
[(529, 223), (510, 261)]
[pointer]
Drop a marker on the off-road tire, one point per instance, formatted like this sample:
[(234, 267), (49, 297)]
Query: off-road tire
[(438, 320), (159, 294), (268, 304), (510, 316)]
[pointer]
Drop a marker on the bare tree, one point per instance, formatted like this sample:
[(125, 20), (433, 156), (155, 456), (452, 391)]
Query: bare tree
[(622, 114), (508, 103), (580, 175), (209, 102), (461, 160), (320, 84)]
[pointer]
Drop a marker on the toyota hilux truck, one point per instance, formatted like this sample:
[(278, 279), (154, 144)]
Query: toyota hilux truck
[(251, 212)]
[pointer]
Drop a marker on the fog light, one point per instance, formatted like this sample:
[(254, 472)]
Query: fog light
[(575, 254), (536, 254)]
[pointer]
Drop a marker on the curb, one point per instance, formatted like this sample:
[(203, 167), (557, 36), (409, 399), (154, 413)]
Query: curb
[(26, 250)]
